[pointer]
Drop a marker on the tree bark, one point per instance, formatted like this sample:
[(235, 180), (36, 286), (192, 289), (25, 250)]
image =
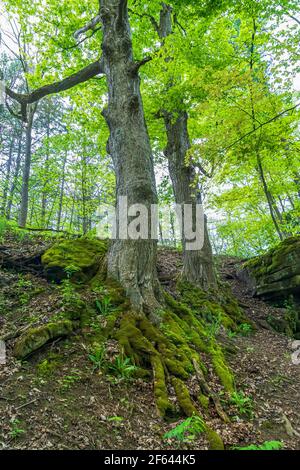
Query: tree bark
[(15, 177), (61, 194), (131, 262), (7, 176), (197, 264), (44, 191), (26, 170)]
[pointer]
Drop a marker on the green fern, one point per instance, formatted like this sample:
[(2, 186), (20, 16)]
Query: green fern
[(268, 445), (187, 430)]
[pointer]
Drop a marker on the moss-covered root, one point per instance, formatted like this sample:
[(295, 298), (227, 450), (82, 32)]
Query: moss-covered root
[(163, 404), (214, 440), (187, 406), (208, 393), (35, 338)]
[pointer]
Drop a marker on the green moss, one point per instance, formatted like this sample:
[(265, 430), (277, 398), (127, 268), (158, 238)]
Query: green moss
[(222, 370), (276, 274), (160, 388), (215, 305), (203, 400), (274, 258), (35, 338), (187, 406), (215, 441), (47, 366), (183, 397), (132, 340), (81, 257)]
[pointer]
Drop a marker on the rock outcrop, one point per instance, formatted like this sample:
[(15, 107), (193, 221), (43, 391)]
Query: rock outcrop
[(276, 274), (35, 338), (79, 259)]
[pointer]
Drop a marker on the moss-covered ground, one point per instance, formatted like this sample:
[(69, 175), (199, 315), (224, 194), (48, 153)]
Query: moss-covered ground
[(100, 370)]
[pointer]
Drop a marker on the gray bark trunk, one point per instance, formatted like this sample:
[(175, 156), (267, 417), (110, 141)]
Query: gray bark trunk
[(26, 170), (131, 262), (198, 264), (44, 192), (61, 194), (7, 176), (15, 177)]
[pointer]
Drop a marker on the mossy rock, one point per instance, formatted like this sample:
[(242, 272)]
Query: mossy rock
[(276, 274), (79, 259), (35, 338)]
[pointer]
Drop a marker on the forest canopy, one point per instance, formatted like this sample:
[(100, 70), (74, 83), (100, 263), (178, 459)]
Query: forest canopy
[(232, 66)]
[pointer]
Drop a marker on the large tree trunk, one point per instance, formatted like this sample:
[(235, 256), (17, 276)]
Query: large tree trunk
[(131, 262), (26, 169), (197, 264)]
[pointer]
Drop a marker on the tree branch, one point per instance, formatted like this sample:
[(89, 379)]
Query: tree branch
[(91, 25), (147, 15), (82, 76), (260, 126), (135, 68)]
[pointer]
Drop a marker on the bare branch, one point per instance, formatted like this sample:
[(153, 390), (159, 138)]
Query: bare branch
[(147, 15), (135, 68), (82, 76), (89, 26)]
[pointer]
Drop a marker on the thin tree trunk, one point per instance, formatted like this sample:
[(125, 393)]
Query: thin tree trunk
[(15, 177), (61, 195), (7, 176), (26, 170), (85, 225), (131, 262), (44, 192)]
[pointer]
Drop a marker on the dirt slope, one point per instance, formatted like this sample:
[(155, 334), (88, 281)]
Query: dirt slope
[(67, 405)]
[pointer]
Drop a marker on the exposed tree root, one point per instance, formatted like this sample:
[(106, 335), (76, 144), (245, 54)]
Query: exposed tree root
[(174, 350)]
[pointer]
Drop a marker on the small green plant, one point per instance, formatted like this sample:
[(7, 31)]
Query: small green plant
[(71, 270), (70, 297), (214, 327), (24, 283), (268, 445), (231, 334), (115, 419), (187, 430), (104, 306), (16, 431), (291, 315), (99, 289), (122, 367), (245, 329), (95, 325), (69, 380), (97, 356), (243, 404)]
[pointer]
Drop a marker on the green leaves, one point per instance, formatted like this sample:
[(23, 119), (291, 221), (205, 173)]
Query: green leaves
[(187, 430), (268, 445)]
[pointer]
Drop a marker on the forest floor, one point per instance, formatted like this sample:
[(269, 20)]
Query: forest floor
[(70, 406)]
